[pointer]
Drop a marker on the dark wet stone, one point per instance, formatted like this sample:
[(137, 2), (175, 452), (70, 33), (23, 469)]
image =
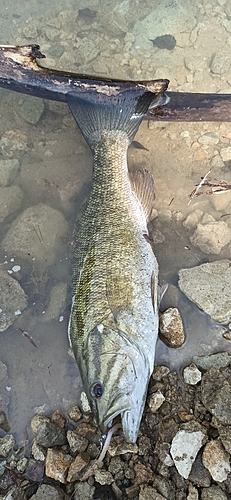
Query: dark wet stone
[(50, 435), (35, 471), (168, 430), (199, 475), (10, 478), (164, 42)]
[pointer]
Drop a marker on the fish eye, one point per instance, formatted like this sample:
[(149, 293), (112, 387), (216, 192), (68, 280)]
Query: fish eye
[(97, 390)]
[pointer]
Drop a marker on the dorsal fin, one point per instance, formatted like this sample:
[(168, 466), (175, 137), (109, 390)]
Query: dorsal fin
[(143, 186)]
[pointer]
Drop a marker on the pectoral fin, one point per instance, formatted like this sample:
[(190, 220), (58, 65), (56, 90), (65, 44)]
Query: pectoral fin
[(143, 186)]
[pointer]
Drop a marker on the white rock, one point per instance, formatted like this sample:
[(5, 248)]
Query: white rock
[(184, 448), (155, 401), (216, 460), (191, 374), (8, 170)]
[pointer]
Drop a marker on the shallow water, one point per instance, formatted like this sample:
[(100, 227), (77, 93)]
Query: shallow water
[(55, 168)]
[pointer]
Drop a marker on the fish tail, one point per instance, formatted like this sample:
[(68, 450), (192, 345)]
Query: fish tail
[(121, 110)]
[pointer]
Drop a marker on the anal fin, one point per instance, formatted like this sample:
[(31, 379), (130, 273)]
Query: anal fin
[(143, 186)]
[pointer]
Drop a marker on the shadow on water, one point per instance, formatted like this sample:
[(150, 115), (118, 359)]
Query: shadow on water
[(54, 168)]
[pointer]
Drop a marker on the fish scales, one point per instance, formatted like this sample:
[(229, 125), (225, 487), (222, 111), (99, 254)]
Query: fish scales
[(114, 318)]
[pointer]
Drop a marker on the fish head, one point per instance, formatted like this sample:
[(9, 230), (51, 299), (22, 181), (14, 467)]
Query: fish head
[(115, 377)]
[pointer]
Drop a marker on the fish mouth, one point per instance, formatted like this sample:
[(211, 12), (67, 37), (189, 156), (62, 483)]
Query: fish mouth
[(113, 412)]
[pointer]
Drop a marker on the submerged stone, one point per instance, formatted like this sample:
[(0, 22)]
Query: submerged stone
[(209, 287)]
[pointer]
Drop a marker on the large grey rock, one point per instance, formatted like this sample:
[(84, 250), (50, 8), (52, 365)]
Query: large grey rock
[(170, 17), (36, 233), (10, 200), (209, 286), (211, 237), (8, 171), (31, 109), (47, 492), (218, 360), (184, 448), (49, 435), (12, 300)]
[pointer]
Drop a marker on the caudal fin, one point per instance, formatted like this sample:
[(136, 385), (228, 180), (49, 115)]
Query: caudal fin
[(121, 109)]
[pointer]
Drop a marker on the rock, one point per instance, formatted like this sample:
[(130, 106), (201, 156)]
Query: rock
[(166, 18), (155, 401), (49, 435), (10, 200), (216, 459), (219, 63), (160, 372), (118, 446), (226, 153), (38, 452), (3, 420), (199, 475), (191, 374), (76, 443), (103, 477), (31, 109), (209, 287), (13, 300), (143, 473), (225, 436), (59, 419), (57, 465), (216, 395), (87, 50), (75, 413), (3, 371), (171, 327), (213, 493), (36, 421), (47, 492), (77, 466), (132, 491), (36, 232), (184, 448), (83, 491), (12, 143), (87, 431), (192, 220), (164, 487), (192, 493), (209, 138), (8, 171), (220, 201), (148, 492), (57, 302), (6, 445), (219, 360), (211, 237)]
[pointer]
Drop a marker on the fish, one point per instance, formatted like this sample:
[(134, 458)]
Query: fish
[(113, 323)]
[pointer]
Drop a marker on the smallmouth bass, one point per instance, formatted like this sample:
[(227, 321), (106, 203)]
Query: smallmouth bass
[(113, 323)]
